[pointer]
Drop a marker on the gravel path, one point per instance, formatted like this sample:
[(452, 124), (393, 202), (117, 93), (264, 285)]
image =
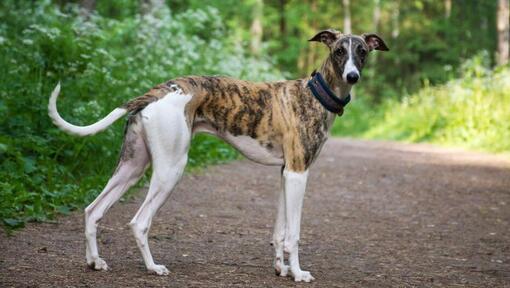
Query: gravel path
[(376, 214)]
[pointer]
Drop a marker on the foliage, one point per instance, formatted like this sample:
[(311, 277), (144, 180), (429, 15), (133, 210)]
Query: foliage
[(425, 44), (469, 112), (419, 91), (102, 62)]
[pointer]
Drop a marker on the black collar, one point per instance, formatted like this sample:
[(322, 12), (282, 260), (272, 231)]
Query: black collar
[(326, 97)]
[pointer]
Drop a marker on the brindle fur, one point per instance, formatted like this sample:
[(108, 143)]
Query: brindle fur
[(281, 116)]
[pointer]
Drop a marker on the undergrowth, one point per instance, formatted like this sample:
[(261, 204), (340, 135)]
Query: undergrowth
[(101, 63), (471, 112)]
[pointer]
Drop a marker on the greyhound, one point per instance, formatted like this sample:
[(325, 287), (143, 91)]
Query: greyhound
[(279, 123)]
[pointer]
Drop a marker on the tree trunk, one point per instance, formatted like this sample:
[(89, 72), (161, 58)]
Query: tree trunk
[(256, 27), (377, 16), (87, 7), (312, 51), (447, 8), (150, 6), (503, 32), (347, 17), (283, 23), (303, 52), (395, 21)]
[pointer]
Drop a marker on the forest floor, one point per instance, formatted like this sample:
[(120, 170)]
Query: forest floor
[(376, 214)]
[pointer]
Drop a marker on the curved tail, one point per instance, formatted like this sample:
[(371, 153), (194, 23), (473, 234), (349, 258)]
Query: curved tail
[(81, 130)]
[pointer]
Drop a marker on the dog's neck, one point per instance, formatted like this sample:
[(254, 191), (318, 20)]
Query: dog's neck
[(334, 80)]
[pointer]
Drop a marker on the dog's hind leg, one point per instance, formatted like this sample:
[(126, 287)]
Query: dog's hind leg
[(168, 137), (162, 183), (133, 161)]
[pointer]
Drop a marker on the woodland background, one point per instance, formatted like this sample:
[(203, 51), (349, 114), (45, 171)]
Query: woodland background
[(445, 80)]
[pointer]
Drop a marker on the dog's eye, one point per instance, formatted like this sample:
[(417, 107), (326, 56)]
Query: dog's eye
[(362, 52), (339, 52)]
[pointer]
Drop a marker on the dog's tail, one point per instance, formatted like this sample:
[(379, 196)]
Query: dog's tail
[(81, 130)]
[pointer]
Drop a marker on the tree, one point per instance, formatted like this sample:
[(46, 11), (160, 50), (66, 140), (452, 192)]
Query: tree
[(283, 24), (376, 19), (503, 32), (395, 21), (447, 8), (150, 6), (88, 4), (256, 27), (87, 7), (347, 17)]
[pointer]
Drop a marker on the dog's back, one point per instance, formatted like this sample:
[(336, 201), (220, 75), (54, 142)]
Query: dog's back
[(263, 113)]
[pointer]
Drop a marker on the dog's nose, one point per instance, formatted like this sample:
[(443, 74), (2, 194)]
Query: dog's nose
[(352, 78)]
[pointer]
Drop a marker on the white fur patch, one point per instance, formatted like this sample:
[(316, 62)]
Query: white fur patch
[(168, 137), (349, 65), (294, 186), (166, 126)]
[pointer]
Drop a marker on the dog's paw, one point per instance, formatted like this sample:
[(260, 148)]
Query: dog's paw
[(303, 276), (281, 270), (159, 270), (98, 264)]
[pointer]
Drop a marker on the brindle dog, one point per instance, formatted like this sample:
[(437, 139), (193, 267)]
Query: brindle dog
[(279, 123)]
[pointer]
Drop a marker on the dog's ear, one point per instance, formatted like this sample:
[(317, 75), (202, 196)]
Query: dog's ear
[(327, 37), (375, 42)]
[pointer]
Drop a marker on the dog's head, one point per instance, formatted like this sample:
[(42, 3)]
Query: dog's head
[(348, 53)]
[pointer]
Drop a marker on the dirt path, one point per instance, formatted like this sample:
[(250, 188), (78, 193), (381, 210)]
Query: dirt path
[(376, 214)]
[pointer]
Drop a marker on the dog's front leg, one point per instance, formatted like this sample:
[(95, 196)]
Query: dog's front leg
[(294, 188), (279, 235)]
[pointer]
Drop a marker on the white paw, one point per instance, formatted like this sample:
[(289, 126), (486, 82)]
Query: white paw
[(159, 270), (302, 276), (281, 270), (98, 264)]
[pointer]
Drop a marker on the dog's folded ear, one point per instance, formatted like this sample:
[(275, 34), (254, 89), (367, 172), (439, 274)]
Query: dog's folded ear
[(327, 37), (375, 42)]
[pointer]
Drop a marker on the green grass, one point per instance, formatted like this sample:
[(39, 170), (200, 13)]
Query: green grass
[(472, 112)]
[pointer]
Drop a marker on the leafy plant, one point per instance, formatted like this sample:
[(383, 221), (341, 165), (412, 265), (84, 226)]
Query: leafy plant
[(101, 62), (470, 112)]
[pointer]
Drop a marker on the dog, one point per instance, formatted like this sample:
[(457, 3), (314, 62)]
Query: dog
[(275, 123)]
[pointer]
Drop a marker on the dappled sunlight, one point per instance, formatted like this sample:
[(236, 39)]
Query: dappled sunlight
[(425, 153), (470, 112)]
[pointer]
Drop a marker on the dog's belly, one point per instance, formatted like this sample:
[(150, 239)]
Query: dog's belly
[(249, 147)]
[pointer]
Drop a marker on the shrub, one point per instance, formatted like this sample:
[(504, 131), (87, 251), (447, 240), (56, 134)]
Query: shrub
[(101, 63), (471, 112)]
